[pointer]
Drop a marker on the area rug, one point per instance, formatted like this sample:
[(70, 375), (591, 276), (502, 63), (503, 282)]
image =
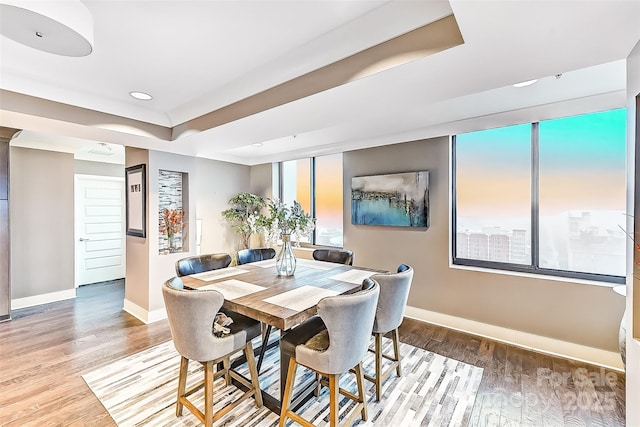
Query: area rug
[(140, 390)]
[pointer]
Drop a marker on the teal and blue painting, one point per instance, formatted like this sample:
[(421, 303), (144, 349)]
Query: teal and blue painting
[(400, 199)]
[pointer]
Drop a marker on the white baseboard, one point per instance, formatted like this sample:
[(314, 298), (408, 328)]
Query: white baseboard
[(42, 299), (596, 356), (142, 314)]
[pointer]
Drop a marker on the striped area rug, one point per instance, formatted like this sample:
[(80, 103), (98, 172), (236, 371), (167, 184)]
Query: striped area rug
[(140, 390)]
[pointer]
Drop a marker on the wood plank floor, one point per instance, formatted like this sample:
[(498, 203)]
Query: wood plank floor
[(44, 351)]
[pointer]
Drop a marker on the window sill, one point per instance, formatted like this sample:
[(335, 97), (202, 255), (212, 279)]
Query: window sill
[(533, 276)]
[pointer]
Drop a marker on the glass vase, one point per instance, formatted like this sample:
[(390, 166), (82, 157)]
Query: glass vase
[(174, 243), (286, 259)]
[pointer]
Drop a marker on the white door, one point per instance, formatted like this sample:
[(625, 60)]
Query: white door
[(99, 208)]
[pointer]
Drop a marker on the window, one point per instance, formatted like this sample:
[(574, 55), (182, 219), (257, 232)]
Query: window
[(492, 211), (316, 183), (545, 197)]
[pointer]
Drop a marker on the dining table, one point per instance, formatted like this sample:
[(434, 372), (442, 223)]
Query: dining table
[(257, 291)]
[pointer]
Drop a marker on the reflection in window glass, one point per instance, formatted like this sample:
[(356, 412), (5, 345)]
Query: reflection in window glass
[(328, 200), (493, 195), (582, 193)]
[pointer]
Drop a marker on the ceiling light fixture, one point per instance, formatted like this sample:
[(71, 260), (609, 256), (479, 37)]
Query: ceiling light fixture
[(141, 95), (102, 149), (62, 28), (527, 83), (257, 144)]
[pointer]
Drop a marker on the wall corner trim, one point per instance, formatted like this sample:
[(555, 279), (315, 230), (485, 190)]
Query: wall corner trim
[(42, 299), (143, 315), (552, 346)]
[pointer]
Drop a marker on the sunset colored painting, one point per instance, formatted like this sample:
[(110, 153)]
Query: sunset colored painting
[(400, 199)]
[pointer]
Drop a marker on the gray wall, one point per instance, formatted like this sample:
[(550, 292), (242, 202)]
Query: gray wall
[(42, 242), (137, 262), (217, 183), (42, 184), (261, 180), (85, 167), (41, 216), (209, 186), (162, 266), (578, 313)]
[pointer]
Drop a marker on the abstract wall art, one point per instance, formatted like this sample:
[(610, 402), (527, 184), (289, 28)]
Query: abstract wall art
[(399, 199)]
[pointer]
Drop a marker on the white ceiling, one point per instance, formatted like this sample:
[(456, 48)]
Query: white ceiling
[(197, 56)]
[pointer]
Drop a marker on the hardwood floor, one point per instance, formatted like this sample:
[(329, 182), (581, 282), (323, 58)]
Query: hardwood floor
[(522, 387), (44, 351)]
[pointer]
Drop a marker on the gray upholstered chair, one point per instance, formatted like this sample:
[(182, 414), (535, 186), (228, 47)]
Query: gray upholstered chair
[(394, 291), (202, 263), (330, 344), (339, 256), (246, 256), (191, 315)]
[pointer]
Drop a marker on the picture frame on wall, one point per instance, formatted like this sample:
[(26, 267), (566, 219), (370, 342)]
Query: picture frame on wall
[(398, 200), (136, 196)]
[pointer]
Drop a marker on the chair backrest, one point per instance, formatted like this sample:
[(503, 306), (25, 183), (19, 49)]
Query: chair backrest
[(349, 319), (339, 256), (394, 292), (403, 267), (201, 263), (246, 256), (191, 314)]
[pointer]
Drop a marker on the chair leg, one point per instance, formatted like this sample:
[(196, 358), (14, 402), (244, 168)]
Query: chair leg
[(333, 400), (362, 397), (316, 392), (253, 373), (226, 363), (333, 382), (182, 383), (207, 417), (208, 394), (378, 379), (286, 398), (394, 337)]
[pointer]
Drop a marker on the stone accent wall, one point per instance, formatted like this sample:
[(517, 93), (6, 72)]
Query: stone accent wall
[(169, 197)]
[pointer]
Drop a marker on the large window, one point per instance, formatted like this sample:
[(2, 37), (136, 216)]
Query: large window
[(316, 183), (545, 197)]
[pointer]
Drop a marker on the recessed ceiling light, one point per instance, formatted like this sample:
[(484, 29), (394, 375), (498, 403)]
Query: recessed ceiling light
[(141, 95), (527, 83), (257, 144)]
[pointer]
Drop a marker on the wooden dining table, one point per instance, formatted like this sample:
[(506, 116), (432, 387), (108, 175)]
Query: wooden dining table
[(256, 291)]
